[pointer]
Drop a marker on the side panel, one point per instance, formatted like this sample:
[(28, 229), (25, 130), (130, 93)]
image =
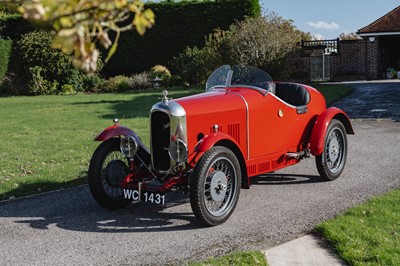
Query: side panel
[(321, 125)]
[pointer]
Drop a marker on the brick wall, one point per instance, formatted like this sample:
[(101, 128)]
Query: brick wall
[(372, 55), (350, 63), (356, 60)]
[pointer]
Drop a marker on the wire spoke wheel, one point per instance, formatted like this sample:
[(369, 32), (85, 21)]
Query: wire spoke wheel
[(113, 171), (215, 186), (107, 169), (331, 162)]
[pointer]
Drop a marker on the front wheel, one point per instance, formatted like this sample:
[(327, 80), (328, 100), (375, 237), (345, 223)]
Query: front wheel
[(331, 162), (107, 169), (215, 186)]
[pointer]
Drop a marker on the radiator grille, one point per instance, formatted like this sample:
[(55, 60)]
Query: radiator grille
[(160, 139)]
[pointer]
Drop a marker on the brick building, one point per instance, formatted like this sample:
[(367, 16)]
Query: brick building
[(383, 39), (368, 58)]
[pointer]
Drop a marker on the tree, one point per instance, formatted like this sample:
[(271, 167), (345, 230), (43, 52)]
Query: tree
[(263, 42), (80, 26), (349, 36)]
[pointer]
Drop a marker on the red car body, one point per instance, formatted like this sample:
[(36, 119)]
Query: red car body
[(248, 128)]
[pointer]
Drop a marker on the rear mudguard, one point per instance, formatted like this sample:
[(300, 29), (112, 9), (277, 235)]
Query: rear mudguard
[(117, 131), (321, 125)]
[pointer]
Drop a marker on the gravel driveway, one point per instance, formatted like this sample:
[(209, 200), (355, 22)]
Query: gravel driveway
[(69, 228)]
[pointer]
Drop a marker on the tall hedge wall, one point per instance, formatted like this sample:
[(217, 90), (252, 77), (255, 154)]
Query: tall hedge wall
[(178, 25), (12, 26), (5, 54)]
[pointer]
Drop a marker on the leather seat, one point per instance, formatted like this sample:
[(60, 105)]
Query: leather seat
[(292, 93)]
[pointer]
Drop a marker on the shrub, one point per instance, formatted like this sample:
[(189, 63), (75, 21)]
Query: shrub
[(67, 89), (194, 64), (54, 67), (140, 81), (39, 85), (93, 83), (117, 84), (159, 71)]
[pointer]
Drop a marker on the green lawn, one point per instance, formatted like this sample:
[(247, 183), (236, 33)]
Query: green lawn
[(368, 234), (47, 141), (255, 258)]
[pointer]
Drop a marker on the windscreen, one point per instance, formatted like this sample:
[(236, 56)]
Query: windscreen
[(226, 76)]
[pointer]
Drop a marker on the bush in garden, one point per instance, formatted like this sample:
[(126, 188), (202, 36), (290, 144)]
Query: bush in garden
[(94, 83), (118, 84), (262, 42), (194, 65), (159, 71), (39, 85), (39, 64), (141, 81)]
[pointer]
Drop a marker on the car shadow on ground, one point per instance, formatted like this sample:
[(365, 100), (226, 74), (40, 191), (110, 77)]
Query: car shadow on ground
[(74, 209), (285, 179), (87, 216)]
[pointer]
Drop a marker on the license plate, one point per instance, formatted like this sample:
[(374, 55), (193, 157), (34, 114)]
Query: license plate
[(146, 196)]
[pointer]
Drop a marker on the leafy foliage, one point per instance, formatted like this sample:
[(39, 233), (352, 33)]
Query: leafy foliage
[(5, 53), (44, 70), (80, 25), (262, 42)]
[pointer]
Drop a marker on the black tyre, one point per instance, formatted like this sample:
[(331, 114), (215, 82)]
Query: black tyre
[(107, 169), (331, 162), (215, 186)]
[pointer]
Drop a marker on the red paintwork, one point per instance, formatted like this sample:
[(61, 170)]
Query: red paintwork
[(252, 123), (260, 129), (114, 131)]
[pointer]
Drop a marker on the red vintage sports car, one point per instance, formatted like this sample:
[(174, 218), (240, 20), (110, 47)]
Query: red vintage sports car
[(210, 145)]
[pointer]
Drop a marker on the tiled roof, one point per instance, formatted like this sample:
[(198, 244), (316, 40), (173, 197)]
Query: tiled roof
[(388, 23)]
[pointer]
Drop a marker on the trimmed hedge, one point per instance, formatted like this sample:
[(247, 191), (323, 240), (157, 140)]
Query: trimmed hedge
[(12, 26), (6, 47), (178, 25)]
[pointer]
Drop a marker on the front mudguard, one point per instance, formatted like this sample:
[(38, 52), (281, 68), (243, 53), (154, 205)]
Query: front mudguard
[(223, 139), (115, 131), (321, 126), (118, 131)]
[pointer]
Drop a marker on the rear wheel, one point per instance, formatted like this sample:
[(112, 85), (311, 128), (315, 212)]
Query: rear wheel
[(215, 186), (331, 162), (107, 169)]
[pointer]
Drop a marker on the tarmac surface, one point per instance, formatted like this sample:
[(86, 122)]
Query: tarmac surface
[(369, 100), (373, 100)]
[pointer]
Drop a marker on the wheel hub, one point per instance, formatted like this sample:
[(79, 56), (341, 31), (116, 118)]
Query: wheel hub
[(333, 150), (218, 186), (117, 170)]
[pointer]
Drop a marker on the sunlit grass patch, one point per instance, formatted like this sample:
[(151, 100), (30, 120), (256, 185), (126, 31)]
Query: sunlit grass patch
[(368, 234)]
